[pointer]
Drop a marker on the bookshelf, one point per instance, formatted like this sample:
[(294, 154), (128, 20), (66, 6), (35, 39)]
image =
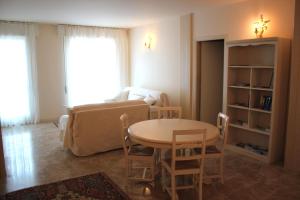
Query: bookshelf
[(255, 96)]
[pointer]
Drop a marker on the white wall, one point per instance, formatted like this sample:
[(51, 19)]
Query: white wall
[(50, 73), (236, 20), (157, 68)]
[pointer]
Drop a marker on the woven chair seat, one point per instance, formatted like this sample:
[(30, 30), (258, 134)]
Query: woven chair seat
[(209, 150), (186, 164), (140, 150)]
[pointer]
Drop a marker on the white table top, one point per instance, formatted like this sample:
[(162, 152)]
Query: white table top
[(158, 133)]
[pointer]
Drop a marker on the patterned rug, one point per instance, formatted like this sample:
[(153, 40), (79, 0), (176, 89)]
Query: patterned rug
[(90, 187)]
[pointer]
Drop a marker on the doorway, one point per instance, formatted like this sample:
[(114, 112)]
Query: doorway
[(210, 72)]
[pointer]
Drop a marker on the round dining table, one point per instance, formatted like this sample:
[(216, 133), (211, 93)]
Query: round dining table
[(158, 133)]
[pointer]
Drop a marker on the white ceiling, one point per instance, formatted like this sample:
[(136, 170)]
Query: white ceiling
[(108, 13)]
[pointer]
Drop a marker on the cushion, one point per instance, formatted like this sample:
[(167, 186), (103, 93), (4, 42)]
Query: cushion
[(124, 95), (160, 97), (132, 96), (150, 100)]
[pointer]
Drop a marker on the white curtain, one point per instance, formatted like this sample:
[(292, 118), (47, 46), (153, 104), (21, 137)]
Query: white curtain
[(96, 63), (18, 75)]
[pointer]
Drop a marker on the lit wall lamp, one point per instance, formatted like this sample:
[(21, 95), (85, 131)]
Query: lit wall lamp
[(148, 42), (260, 26)]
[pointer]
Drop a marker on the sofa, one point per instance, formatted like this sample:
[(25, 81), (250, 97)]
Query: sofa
[(96, 127)]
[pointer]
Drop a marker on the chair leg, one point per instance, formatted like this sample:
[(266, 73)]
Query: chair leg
[(173, 187), (156, 157), (200, 186), (163, 178), (128, 168), (222, 169), (194, 181), (127, 174), (161, 156), (153, 169)]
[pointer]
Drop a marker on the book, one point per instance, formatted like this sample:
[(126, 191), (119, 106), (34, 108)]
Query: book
[(267, 103)]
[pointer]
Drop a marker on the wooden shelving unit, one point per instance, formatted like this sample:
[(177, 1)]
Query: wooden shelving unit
[(257, 71)]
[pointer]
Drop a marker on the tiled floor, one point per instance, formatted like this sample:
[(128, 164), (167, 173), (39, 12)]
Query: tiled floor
[(34, 156)]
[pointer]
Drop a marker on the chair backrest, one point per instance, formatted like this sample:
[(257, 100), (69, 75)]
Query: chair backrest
[(188, 146), (124, 133), (222, 124), (169, 112)]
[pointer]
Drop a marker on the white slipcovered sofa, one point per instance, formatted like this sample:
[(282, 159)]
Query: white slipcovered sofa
[(96, 127), (152, 98)]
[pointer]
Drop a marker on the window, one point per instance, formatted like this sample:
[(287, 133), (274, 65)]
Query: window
[(96, 63), (18, 98), (14, 101), (92, 72)]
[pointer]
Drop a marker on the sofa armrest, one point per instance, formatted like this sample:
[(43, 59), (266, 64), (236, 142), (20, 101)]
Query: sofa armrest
[(164, 100)]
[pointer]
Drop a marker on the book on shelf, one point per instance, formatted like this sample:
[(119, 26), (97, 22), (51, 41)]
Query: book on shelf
[(271, 80), (265, 102), (253, 148)]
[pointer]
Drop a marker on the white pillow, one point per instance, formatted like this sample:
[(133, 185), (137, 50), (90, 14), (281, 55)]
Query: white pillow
[(124, 95), (135, 97), (150, 100)]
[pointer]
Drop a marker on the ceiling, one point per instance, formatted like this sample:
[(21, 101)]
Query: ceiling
[(107, 13)]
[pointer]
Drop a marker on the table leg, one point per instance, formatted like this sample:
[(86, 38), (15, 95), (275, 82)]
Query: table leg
[(163, 171)]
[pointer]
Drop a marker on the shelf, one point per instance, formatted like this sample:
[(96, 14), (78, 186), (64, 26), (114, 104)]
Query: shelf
[(262, 67), (239, 107), (260, 110), (252, 88), (250, 66), (239, 87), (262, 89), (240, 67), (250, 129), (247, 152), (251, 98)]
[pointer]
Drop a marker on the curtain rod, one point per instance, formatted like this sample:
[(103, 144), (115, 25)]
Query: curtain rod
[(15, 22), (93, 26), (22, 22)]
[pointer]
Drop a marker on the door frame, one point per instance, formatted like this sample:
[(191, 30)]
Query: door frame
[(195, 71)]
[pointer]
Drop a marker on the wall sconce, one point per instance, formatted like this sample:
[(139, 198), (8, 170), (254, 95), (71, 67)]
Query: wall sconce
[(148, 42), (260, 26)]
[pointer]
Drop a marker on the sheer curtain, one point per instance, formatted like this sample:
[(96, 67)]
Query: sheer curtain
[(18, 100), (96, 63)]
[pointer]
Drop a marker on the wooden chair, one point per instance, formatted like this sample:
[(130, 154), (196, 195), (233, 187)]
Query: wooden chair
[(140, 154), (169, 112), (213, 151), (189, 163)]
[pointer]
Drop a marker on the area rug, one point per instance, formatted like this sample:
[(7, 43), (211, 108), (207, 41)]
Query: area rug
[(90, 187)]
